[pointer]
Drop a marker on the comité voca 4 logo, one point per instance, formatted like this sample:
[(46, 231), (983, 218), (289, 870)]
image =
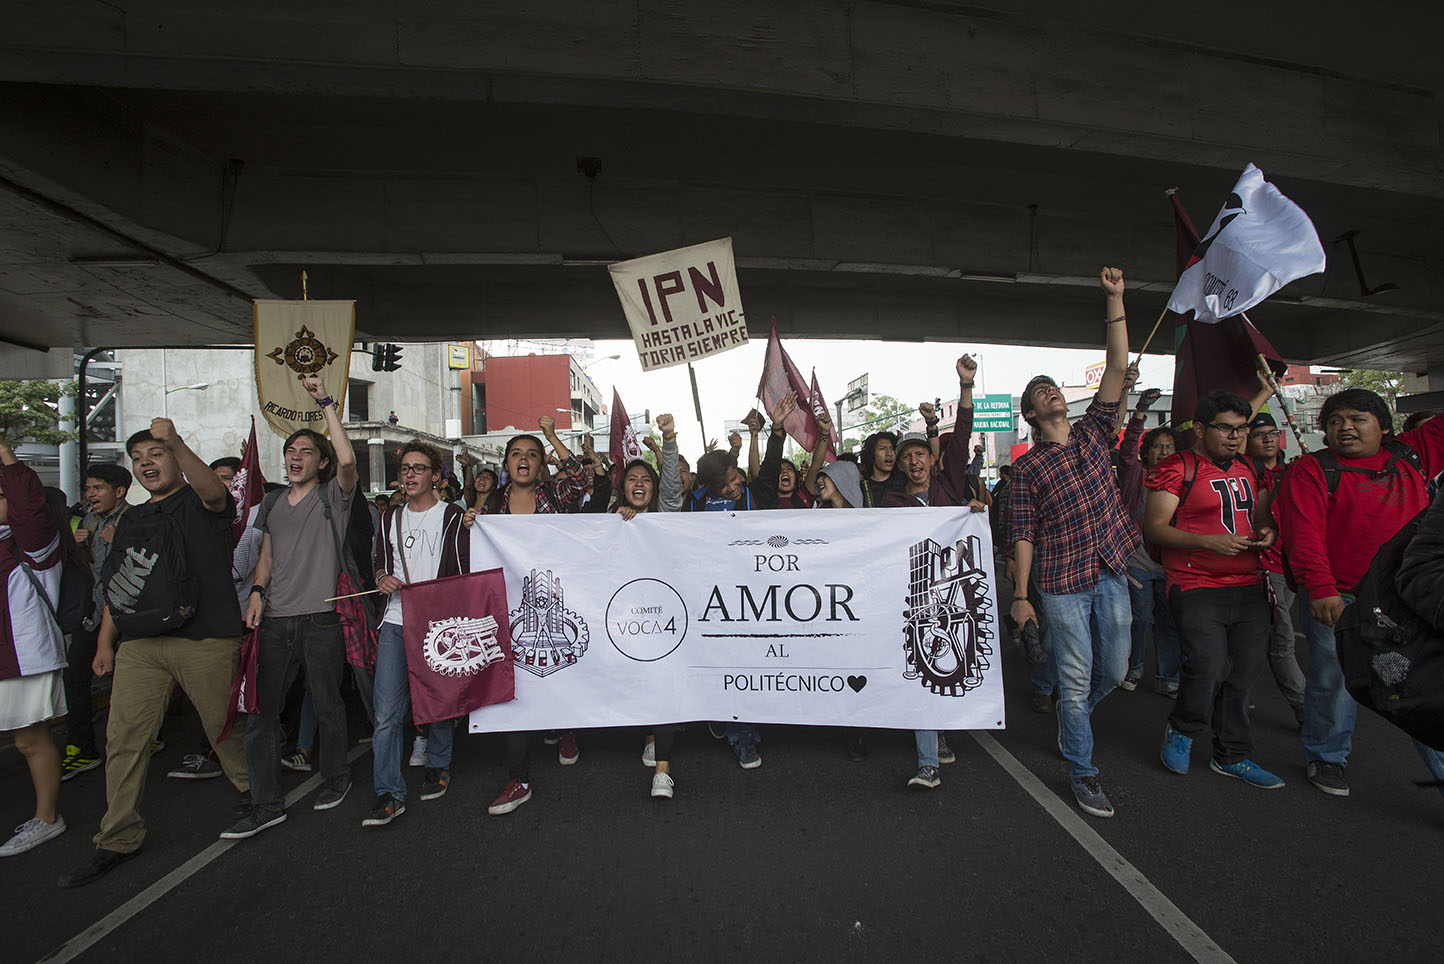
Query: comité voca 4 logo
[(949, 619)]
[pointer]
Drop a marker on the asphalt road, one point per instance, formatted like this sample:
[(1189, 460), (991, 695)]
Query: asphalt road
[(809, 858)]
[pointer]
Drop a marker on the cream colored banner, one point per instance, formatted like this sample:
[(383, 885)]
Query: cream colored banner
[(295, 339)]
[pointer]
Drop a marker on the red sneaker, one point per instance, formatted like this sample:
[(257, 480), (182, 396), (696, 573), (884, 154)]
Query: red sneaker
[(567, 750), (512, 796)]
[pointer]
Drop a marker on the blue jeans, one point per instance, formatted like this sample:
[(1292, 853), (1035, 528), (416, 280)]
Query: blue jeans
[(743, 733), (1149, 604), (1329, 710), (927, 743), (1090, 639), (392, 696)]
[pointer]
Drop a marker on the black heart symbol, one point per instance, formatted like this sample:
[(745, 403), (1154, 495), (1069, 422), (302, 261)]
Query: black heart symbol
[(857, 683)]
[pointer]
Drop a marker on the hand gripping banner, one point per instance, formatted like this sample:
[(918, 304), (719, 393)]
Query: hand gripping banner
[(870, 617)]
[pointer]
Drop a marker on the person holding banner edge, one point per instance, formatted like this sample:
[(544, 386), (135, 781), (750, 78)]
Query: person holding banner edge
[(1068, 518), (922, 487), (528, 491)]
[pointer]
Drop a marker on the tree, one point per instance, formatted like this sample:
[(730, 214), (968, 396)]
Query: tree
[(883, 414), (29, 410), (1384, 384)]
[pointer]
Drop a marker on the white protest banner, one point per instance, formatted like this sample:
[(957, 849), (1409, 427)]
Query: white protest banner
[(682, 305), (1259, 242), (295, 339), (867, 617)]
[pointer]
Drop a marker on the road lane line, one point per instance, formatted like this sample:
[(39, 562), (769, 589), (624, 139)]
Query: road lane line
[(1192, 938), (102, 928)]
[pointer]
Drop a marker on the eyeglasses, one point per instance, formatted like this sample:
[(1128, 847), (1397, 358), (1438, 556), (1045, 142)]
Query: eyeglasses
[(1264, 436), (1228, 431), (412, 468)]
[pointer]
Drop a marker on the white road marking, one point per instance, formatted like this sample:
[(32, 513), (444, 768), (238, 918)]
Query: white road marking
[(1179, 926), (102, 928)]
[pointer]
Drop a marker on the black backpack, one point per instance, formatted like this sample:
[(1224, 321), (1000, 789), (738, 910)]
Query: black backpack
[(1392, 658), (147, 577), (77, 601)]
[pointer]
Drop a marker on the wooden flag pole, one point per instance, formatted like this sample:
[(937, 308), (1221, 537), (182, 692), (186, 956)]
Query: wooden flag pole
[(304, 296), (353, 595), (1268, 373), (697, 402), (1149, 340)]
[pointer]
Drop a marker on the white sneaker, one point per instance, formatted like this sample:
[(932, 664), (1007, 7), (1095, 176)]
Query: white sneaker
[(649, 754), (34, 832), (662, 785), (418, 752)]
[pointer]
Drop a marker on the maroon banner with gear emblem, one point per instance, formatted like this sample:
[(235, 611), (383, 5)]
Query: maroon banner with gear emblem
[(247, 487), (624, 446), (458, 645)]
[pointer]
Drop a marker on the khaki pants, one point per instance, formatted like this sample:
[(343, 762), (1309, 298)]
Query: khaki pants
[(144, 672)]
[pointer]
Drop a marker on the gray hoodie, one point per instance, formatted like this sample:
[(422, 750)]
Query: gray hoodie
[(845, 476)]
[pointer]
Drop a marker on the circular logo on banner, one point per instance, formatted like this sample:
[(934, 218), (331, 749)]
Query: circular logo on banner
[(646, 620)]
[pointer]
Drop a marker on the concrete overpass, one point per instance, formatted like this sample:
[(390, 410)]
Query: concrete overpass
[(910, 170)]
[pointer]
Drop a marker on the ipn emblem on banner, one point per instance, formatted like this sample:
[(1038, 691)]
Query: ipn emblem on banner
[(945, 638), (646, 620), (545, 635)]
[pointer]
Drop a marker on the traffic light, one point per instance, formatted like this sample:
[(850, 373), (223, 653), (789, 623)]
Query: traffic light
[(386, 358)]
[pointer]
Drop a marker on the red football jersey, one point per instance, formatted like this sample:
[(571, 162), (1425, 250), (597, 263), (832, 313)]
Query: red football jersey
[(1218, 501)]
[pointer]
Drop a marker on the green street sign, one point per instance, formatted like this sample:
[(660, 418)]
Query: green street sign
[(993, 413)]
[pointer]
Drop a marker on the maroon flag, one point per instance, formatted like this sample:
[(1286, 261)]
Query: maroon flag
[(780, 376), (458, 644), (623, 444), (819, 409), (248, 486), (1212, 357), (244, 695)]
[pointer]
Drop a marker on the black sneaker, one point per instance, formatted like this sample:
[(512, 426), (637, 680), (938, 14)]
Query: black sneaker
[(1328, 777), (242, 808), (194, 766), (77, 760), (333, 793), (253, 823), (436, 783), (856, 748), (925, 779), (387, 809), (100, 863)]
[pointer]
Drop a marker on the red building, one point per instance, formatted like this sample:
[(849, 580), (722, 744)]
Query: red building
[(1301, 375), (517, 390)]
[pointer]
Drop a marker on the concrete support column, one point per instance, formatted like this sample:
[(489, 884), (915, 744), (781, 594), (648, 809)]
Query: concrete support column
[(376, 462), (68, 452)]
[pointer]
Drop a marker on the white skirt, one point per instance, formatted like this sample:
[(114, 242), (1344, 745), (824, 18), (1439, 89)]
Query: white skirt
[(31, 699)]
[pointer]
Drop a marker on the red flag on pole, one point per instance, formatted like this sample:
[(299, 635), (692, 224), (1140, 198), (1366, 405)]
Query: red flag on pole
[(1212, 357), (623, 444), (247, 487), (819, 408), (458, 644), (780, 376)]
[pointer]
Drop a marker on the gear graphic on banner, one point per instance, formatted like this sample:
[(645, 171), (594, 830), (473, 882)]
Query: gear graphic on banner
[(304, 355), (461, 645)]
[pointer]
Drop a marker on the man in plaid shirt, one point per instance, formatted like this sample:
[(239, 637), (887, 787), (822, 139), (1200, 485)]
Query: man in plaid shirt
[(1068, 519)]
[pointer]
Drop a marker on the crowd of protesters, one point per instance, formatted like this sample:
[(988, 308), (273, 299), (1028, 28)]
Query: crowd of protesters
[(1107, 538)]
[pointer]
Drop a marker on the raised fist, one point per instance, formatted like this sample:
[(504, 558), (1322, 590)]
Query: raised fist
[(163, 431), (1148, 398), (651, 443), (735, 440), (314, 387), (1112, 280), (665, 425), (753, 421), (547, 424), (967, 369), (928, 412)]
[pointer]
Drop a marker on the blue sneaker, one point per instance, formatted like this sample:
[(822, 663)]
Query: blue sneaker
[(1176, 748), (1249, 772)]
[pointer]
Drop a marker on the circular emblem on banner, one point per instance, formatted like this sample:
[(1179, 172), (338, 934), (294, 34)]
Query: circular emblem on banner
[(646, 620)]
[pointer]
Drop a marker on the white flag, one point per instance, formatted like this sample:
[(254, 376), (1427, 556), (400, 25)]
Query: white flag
[(1259, 242), (682, 305), (295, 339)]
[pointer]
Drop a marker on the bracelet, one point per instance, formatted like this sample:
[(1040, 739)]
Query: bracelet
[(932, 431), (257, 589), (931, 421), (323, 402), (1022, 599), (1114, 321), (965, 384)]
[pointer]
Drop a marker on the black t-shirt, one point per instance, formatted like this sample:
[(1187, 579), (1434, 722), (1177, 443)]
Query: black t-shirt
[(209, 548)]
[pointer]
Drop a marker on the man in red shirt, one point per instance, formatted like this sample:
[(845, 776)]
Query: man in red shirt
[(1335, 509), (1200, 512)]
